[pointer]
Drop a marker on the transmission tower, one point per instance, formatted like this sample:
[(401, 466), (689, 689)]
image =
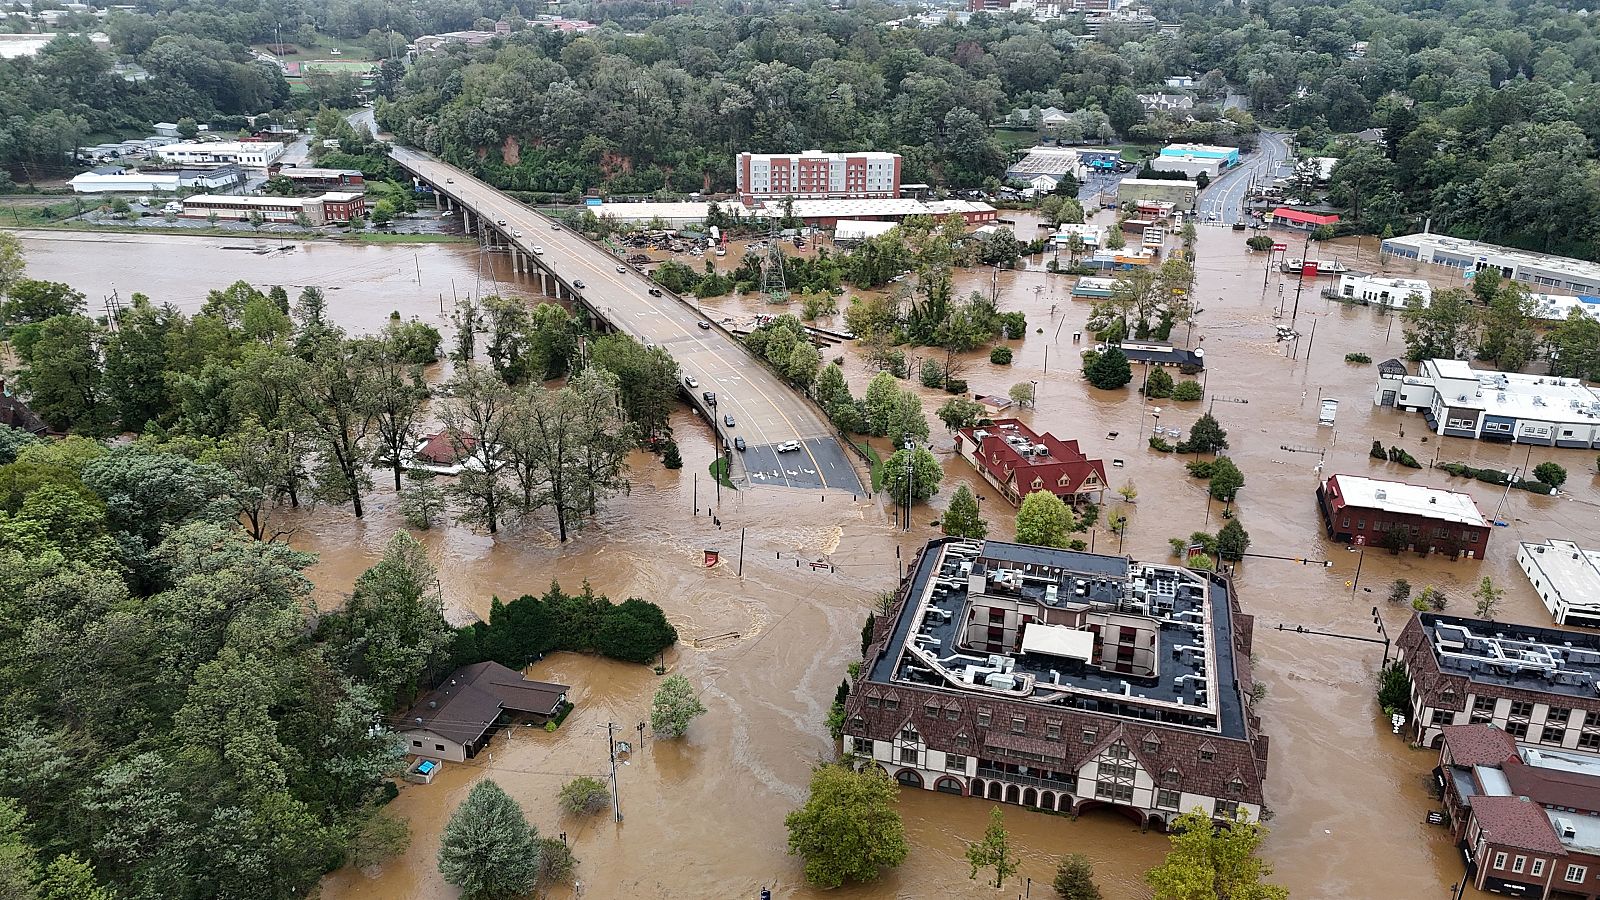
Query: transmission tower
[(773, 283)]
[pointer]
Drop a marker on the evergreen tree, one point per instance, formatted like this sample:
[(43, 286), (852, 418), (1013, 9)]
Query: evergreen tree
[(1075, 879), (1108, 370), (488, 848), (961, 519)]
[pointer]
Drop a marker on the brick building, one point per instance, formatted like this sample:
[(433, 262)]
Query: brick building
[(1400, 516), (1010, 456), (814, 175), (1063, 681), (1526, 819), (309, 178), (1540, 685)]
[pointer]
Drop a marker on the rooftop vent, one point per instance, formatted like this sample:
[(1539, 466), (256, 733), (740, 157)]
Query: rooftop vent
[(1382, 494)]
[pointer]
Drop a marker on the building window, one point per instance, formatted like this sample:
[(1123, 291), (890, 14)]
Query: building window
[(1118, 750), (1226, 809), (1518, 864), (863, 746), (955, 762), (1576, 874), (1151, 743), (1499, 861), (1556, 715), (962, 741), (1170, 776), (1537, 869), (1019, 726), (1521, 709), (1346, 523), (1117, 770), (439, 747), (952, 714), (1440, 716), (908, 755), (891, 704), (1207, 754), (1167, 799), (416, 743), (983, 718), (1483, 705), (1236, 787), (1052, 730), (1088, 735), (1112, 791), (1518, 730), (1553, 734), (872, 702)]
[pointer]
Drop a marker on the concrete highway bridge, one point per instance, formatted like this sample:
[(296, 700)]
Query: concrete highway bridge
[(766, 411)]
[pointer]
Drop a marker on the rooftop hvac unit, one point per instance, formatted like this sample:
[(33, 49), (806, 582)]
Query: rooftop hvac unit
[(1381, 494), (1002, 680)]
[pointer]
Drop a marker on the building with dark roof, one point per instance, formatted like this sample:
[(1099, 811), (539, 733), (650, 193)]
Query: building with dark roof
[(1540, 685), (455, 720), (1062, 681), (1526, 819), (1010, 456)]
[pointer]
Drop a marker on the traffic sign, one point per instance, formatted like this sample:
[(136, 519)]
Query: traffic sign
[(1279, 248)]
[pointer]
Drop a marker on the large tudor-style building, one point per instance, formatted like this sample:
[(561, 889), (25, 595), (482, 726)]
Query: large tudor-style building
[(1062, 680), (1010, 456)]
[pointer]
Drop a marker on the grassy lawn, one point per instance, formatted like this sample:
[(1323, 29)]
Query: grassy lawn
[(350, 50), (33, 211), (719, 471), (877, 466), (1136, 152)]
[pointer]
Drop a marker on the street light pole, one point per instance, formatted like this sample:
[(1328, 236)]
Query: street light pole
[(1357, 580)]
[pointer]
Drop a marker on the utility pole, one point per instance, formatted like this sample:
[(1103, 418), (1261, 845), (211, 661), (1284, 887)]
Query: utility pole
[(611, 748), (910, 477), (740, 573)]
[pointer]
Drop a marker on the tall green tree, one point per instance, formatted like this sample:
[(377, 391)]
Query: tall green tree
[(392, 635), (480, 420), (1209, 861), (1075, 879), (994, 851), (64, 380), (848, 828), (489, 849), (674, 706), (1440, 329), (923, 477), (962, 519), (392, 394), (1044, 519), (330, 390)]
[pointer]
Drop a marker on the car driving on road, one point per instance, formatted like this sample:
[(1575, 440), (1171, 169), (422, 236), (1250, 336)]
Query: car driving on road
[(710, 397), (689, 381), (579, 284), (704, 325), (538, 250), (728, 420), (622, 268), (788, 446), (655, 292), (738, 444)]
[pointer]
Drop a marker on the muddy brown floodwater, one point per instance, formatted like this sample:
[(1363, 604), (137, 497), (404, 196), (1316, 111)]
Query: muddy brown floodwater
[(704, 815)]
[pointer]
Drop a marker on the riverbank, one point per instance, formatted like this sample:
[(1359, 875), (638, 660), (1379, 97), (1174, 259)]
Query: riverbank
[(348, 237)]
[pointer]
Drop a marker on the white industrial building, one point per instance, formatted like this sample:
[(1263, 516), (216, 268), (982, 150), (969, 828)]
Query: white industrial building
[(126, 183), (1045, 167), (251, 154), (1567, 579), (1460, 401), (1383, 290), (1539, 270), (1559, 307), (1189, 166)]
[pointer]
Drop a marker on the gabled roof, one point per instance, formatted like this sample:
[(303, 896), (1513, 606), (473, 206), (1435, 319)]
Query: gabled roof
[(1553, 786), (1059, 459), (1516, 822), (467, 703), (439, 449), (1478, 745)]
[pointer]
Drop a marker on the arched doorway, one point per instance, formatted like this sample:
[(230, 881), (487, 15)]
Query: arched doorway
[(1013, 794), (1064, 803), (979, 787), (1030, 797), (994, 790), (909, 778), (1047, 800), (948, 785)]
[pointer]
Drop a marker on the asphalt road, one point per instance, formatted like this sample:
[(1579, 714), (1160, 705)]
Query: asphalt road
[(1225, 197), (766, 411)]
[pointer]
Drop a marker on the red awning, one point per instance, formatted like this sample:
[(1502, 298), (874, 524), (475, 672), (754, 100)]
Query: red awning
[(1304, 218)]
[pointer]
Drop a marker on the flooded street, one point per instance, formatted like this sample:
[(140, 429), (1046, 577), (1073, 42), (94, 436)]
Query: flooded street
[(704, 815)]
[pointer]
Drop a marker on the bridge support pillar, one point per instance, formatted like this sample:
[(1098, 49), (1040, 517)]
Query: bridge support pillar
[(516, 260), (438, 198), (544, 281)]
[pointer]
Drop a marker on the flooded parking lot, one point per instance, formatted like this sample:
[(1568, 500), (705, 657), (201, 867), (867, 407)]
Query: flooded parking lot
[(703, 816)]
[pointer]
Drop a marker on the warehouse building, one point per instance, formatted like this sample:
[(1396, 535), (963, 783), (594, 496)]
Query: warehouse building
[(1510, 407), (316, 211), (1567, 579), (1181, 194), (1541, 271)]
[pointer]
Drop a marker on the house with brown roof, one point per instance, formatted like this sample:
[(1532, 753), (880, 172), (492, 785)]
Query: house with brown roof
[(1017, 461), (1526, 819), (443, 453), (456, 719)]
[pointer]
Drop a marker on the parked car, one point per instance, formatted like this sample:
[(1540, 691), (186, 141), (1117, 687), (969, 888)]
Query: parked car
[(728, 420), (655, 292), (738, 444), (788, 446), (579, 284), (710, 397), (704, 325)]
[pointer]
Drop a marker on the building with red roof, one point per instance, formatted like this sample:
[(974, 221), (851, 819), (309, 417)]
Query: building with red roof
[(1526, 818), (1017, 461), (1295, 218)]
